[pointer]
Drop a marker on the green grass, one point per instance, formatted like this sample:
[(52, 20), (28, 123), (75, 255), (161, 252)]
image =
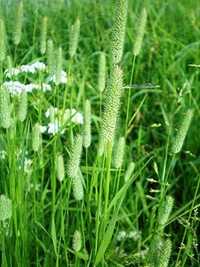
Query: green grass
[(121, 222)]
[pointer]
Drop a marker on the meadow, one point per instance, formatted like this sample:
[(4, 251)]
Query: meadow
[(99, 133)]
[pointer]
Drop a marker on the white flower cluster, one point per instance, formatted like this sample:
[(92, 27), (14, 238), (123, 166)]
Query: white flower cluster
[(122, 235), (63, 78), (15, 87), (69, 114), (29, 68), (58, 118)]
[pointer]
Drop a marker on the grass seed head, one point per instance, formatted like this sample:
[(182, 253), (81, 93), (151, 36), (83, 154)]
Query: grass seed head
[(77, 241), (22, 107), (118, 31), (75, 157), (119, 153), (60, 166), (50, 56), (102, 72), (129, 171), (59, 64), (111, 111), (140, 32), (182, 132), (2, 41), (18, 23), (74, 38), (77, 184), (5, 208), (43, 35), (165, 211), (165, 253), (36, 137), (5, 108), (87, 125)]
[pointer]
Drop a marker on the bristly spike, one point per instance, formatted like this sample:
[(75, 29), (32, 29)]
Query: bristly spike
[(129, 171), (59, 64), (2, 41), (43, 35), (77, 185), (140, 32), (5, 108), (118, 31), (182, 132), (60, 166), (119, 150), (77, 241), (36, 137), (22, 107), (102, 72), (87, 125), (75, 157), (18, 23), (165, 253), (50, 56), (165, 211), (111, 111), (74, 38)]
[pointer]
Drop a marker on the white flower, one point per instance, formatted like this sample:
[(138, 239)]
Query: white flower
[(16, 87), (121, 235), (75, 116), (63, 78), (51, 112), (29, 68), (135, 235), (43, 129), (53, 127)]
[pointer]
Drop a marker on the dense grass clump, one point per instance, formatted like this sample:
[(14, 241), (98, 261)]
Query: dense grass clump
[(99, 133)]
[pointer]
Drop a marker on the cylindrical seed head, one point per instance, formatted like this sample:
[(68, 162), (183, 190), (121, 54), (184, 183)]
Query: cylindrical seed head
[(2, 41), (5, 108), (140, 32), (119, 153), (87, 125), (22, 107), (118, 31), (74, 38), (18, 23), (75, 157), (77, 241), (102, 72), (182, 132), (43, 35), (60, 166)]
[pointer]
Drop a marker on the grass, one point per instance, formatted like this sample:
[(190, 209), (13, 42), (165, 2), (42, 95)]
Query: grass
[(63, 205)]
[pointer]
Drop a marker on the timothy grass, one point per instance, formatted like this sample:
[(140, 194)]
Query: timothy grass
[(99, 145)]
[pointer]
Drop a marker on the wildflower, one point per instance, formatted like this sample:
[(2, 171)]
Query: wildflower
[(29, 68), (53, 127), (62, 78), (73, 115), (121, 235)]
